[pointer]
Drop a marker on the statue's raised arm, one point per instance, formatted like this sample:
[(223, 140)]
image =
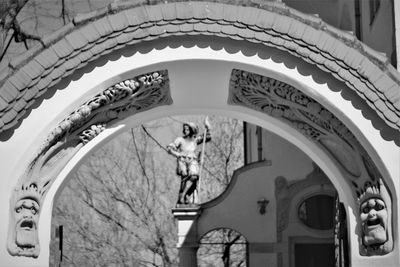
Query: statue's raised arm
[(207, 133)]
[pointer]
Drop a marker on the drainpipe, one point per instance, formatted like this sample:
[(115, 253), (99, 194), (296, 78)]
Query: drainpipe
[(259, 143), (357, 12), (396, 10)]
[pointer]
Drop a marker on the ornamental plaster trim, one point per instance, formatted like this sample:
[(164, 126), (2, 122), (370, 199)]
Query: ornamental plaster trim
[(117, 102), (96, 34)]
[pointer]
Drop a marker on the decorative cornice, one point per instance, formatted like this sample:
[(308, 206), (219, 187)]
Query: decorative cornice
[(96, 34)]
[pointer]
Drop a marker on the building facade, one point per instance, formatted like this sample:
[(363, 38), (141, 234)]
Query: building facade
[(316, 83)]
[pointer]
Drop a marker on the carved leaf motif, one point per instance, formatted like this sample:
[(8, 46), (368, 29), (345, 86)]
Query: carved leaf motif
[(280, 100)]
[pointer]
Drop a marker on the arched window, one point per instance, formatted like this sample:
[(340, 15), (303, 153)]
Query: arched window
[(317, 212), (222, 247)]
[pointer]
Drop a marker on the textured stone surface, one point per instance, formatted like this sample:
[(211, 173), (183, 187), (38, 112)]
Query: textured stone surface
[(92, 35)]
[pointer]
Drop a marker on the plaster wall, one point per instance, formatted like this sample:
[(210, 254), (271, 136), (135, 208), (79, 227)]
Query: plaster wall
[(282, 154), (199, 84), (263, 259), (239, 206)]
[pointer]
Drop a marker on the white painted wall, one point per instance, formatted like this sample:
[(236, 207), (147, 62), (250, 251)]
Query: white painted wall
[(239, 209), (285, 156)]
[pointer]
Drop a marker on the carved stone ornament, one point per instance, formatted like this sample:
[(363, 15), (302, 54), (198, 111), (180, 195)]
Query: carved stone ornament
[(375, 217), (80, 127)]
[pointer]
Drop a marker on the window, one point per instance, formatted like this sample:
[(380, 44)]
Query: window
[(222, 247), (317, 212)]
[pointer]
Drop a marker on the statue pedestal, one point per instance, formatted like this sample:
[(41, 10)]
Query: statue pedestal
[(188, 242)]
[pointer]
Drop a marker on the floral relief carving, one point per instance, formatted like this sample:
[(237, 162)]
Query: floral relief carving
[(71, 134)]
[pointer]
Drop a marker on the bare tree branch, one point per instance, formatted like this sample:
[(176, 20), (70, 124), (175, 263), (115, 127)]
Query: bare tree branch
[(63, 12), (9, 22), (117, 207)]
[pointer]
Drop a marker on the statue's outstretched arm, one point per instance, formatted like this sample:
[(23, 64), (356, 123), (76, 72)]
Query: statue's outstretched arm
[(173, 150)]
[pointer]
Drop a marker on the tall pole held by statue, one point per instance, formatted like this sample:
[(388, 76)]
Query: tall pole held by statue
[(201, 160)]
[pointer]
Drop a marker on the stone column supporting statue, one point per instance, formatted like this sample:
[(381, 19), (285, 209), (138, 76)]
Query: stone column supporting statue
[(188, 243)]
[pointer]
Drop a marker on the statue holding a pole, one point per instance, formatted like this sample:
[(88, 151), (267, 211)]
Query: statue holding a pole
[(189, 161)]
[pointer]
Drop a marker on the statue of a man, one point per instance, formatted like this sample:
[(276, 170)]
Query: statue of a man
[(184, 149)]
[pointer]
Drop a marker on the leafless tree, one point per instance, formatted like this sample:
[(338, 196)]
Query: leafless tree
[(10, 28), (116, 210)]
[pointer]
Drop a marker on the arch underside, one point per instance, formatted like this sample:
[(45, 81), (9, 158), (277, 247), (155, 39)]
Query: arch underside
[(369, 82)]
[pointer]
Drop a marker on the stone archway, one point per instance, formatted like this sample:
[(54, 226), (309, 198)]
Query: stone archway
[(266, 49)]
